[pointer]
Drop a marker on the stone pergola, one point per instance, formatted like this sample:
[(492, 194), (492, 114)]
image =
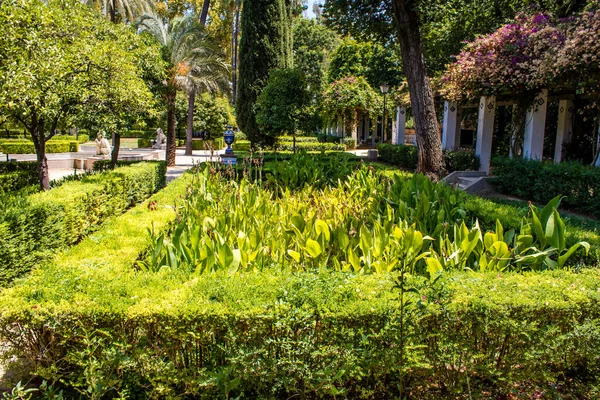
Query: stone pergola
[(535, 125)]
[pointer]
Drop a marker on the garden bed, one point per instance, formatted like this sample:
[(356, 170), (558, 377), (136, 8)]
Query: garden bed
[(313, 284)]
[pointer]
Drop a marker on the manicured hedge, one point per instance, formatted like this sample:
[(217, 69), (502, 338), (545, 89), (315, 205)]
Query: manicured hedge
[(308, 146), (34, 227), (18, 146), (11, 181), (241, 145), (407, 157), (539, 181), (279, 335), (216, 144), (81, 138), (309, 139), (400, 155), (161, 174)]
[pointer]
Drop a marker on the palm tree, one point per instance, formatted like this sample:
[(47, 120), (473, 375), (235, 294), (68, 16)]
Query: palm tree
[(194, 64), (128, 9)]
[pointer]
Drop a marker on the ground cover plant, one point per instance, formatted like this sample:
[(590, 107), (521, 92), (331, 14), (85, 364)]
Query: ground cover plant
[(221, 287), (35, 225)]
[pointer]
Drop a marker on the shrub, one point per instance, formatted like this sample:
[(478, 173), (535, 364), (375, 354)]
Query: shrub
[(216, 144), (16, 180), (10, 146), (308, 146), (310, 139), (81, 138), (276, 335), (349, 143), (539, 181), (241, 145), (29, 166), (13, 133), (461, 160), (400, 155), (144, 143), (161, 172), (136, 134), (32, 228)]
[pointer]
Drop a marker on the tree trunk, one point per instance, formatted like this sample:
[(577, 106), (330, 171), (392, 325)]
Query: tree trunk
[(204, 13), (171, 137), (39, 142), (406, 20), (234, 55), (116, 142), (113, 11), (190, 124)]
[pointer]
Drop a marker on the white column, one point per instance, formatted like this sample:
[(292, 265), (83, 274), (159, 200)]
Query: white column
[(449, 128), (597, 164), (565, 128), (360, 130), (400, 133), (485, 132), (535, 124)]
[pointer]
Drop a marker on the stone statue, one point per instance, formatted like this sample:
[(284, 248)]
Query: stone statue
[(160, 137), (102, 145)]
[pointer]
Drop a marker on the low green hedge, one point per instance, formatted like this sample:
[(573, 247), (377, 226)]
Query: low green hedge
[(308, 146), (407, 157), (349, 143), (278, 335), (18, 146), (81, 138), (539, 181), (400, 155), (11, 181), (216, 144), (34, 227), (241, 145), (308, 139), (160, 176)]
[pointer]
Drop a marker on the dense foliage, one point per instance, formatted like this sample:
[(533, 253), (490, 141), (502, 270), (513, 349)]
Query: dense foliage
[(282, 104), (531, 53), (539, 181), (17, 175), (266, 44), (33, 227)]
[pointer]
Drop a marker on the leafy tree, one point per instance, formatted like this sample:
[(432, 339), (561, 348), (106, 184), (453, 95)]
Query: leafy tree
[(375, 62), (191, 63), (123, 10), (282, 102), (58, 58), (212, 113), (265, 45), (313, 47)]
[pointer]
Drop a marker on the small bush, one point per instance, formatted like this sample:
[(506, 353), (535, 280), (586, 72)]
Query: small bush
[(136, 134), (539, 181), (349, 143), (461, 160), (32, 228), (400, 155)]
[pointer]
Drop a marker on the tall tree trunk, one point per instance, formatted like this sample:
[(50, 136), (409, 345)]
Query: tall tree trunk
[(234, 49), (406, 20), (204, 13), (171, 137), (116, 142), (190, 124), (113, 11)]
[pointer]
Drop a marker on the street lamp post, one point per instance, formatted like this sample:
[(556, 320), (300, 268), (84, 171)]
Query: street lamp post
[(385, 88)]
